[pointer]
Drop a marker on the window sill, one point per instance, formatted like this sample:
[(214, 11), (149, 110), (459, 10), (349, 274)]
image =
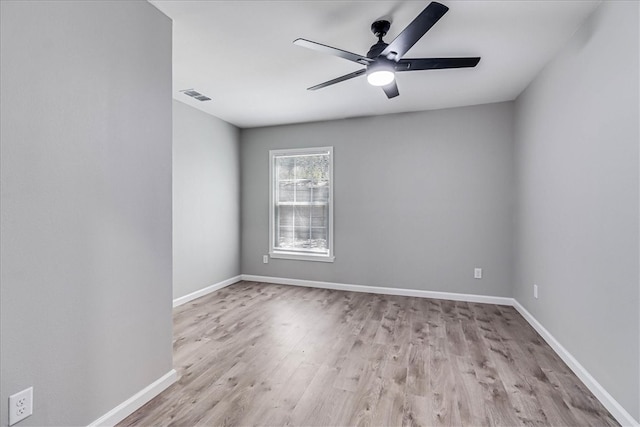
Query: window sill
[(301, 257)]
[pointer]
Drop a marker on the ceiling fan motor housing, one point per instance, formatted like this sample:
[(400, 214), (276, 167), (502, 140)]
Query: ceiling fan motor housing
[(381, 64)]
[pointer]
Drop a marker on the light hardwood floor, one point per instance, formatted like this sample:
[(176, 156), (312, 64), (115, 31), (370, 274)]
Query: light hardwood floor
[(263, 354)]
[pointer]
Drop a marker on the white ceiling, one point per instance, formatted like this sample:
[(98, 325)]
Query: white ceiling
[(240, 54)]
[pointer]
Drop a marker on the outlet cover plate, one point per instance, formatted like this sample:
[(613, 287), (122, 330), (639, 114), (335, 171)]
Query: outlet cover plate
[(20, 405)]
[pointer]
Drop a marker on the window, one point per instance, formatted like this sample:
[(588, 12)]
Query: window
[(301, 208)]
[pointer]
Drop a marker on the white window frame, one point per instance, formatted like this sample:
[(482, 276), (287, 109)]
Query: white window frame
[(296, 255)]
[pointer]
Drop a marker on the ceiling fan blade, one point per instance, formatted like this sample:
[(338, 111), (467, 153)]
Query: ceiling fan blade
[(332, 51), (391, 90), (435, 63), (338, 79), (415, 30)]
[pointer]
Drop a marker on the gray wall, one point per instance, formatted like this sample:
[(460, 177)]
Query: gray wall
[(86, 205), (420, 199), (577, 207), (206, 200)]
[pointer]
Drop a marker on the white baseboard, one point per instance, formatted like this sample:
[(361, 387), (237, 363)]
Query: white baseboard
[(136, 401), (202, 292), (616, 410), (381, 290)]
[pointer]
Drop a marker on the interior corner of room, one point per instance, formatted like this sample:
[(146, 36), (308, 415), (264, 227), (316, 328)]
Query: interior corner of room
[(120, 202)]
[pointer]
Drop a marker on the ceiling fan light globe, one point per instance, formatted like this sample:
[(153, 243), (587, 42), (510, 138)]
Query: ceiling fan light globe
[(380, 77)]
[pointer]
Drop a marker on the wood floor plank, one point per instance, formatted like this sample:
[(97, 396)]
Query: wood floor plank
[(369, 389), (259, 354), (442, 386), (284, 387), (401, 336), (384, 335), (520, 393), (418, 370), (390, 407), (417, 411), (350, 373), (498, 406), (315, 404)]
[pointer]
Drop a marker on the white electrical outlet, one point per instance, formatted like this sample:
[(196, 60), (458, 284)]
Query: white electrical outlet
[(265, 259), (477, 273), (20, 405), (535, 291)]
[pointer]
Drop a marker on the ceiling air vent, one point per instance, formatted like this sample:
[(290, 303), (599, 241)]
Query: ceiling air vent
[(197, 95)]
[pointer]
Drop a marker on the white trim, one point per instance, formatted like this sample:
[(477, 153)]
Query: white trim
[(136, 401), (204, 291), (283, 254), (301, 257), (616, 410), (382, 290)]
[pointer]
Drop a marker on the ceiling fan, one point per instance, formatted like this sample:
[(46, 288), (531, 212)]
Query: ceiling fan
[(384, 60)]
